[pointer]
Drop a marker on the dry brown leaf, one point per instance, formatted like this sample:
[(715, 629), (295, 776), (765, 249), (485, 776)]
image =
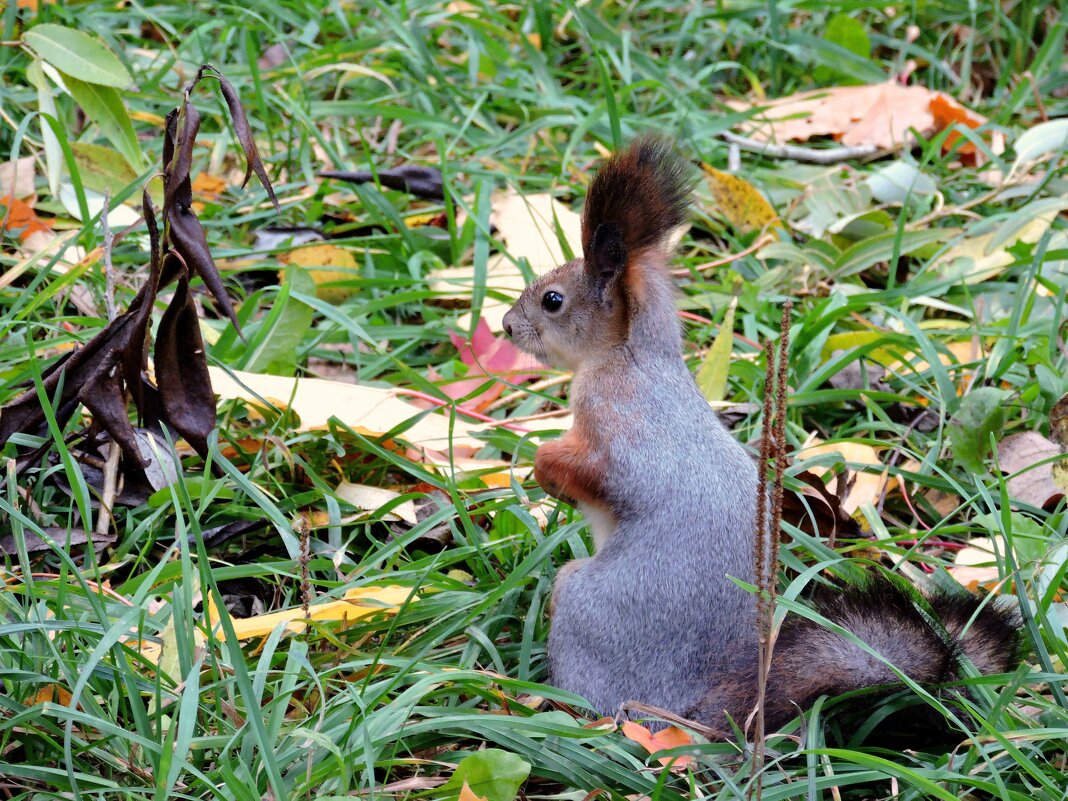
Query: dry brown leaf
[(879, 115), (1038, 486), (527, 226), (875, 114), (208, 186), (865, 487), (51, 694), (16, 178)]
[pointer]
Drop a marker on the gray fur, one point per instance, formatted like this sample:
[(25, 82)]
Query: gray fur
[(636, 621)]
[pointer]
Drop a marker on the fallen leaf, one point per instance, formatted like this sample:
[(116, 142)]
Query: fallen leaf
[(875, 114), (861, 487), (326, 264), (356, 603), (51, 694), (488, 355), (879, 115), (371, 499), (977, 258), (19, 219), (739, 201), (369, 410), (1037, 486), (208, 186), (527, 227), (467, 794), (16, 178), (671, 737), (948, 112)]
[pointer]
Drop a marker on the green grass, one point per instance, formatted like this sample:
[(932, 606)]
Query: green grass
[(518, 95)]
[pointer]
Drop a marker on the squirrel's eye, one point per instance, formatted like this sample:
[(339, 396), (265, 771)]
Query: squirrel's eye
[(551, 301)]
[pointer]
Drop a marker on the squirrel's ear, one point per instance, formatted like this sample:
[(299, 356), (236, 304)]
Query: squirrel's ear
[(606, 256)]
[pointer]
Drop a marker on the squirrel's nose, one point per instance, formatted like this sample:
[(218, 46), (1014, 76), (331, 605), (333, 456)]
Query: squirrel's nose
[(507, 323)]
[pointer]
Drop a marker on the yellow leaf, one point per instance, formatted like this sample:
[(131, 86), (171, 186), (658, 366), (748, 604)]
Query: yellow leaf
[(356, 603), (369, 410), (739, 201), (325, 264), (866, 487), (467, 794), (371, 499), (712, 377)]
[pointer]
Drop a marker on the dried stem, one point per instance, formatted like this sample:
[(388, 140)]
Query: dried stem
[(768, 524), (302, 529), (111, 465)]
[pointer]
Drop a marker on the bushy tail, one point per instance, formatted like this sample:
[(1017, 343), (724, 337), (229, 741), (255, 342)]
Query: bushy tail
[(811, 660), (644, 191)]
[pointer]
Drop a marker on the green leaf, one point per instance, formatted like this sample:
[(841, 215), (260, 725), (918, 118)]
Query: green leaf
[(103, 106), (46, 104), (712, 377), (980, 414), (493, 774), (76, 53), (273, 348), (849, 34), (101, 168), (867, 253)]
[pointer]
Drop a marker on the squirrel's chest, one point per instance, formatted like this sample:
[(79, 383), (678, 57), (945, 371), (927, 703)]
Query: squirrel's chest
[(601, 521)]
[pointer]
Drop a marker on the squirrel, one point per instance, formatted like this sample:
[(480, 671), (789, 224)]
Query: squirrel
[(670, 497)]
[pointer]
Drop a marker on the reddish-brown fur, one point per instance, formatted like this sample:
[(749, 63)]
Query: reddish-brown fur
[(571, 468)]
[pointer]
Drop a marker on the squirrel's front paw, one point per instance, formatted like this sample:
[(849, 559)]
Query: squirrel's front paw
[(549, 471), (566, 470)]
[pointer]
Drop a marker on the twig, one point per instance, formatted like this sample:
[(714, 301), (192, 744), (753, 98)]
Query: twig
[(731, 257), (109, 269), (830, 156), (111, 465)]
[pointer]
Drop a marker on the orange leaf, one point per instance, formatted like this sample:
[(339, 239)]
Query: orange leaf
[(671, 737), (52, 693), (467, 794), (208, 186), (20, 218), (947, 112)]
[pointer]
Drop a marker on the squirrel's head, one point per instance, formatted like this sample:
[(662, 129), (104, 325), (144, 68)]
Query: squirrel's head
[(589, 305)]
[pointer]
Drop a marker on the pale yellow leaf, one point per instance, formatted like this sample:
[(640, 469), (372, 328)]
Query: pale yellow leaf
[(16, 178), (371, 499), (972, 260), (356, 603), (370, 410), (864, 487)]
